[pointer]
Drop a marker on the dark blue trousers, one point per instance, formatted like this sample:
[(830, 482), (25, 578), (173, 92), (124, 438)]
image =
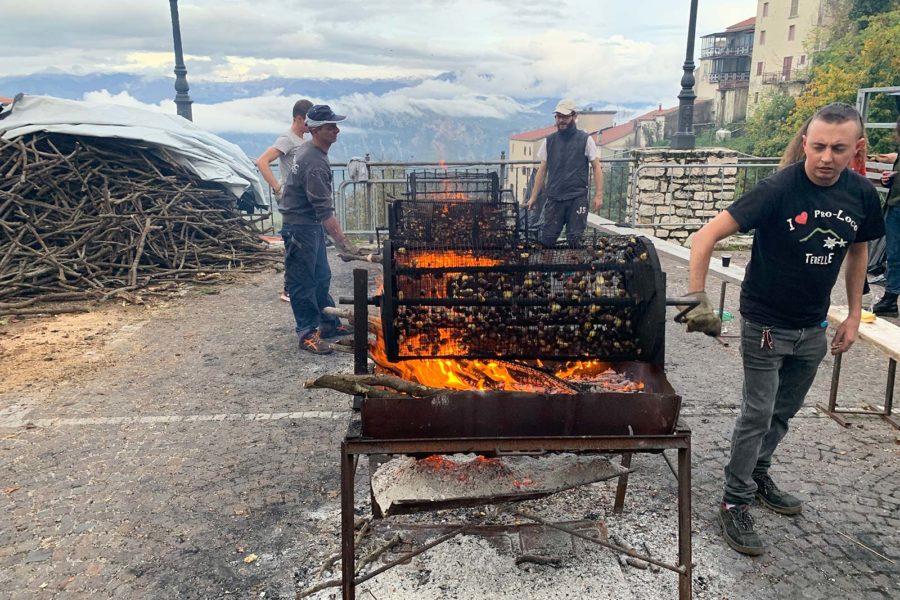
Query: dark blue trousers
[(307, 275)]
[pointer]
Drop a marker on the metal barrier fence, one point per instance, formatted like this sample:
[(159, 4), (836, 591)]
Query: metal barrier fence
[(361, 204)]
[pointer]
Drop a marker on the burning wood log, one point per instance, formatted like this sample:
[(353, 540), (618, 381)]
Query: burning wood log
[(87, 217), (371, 386)]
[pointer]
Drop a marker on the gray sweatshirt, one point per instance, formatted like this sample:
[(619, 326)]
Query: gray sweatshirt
[(306, 198)]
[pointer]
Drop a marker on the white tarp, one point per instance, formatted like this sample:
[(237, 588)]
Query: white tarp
[(207, 155)]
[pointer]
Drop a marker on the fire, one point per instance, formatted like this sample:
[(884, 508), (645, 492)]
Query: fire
[(429, 259), (473, 374)]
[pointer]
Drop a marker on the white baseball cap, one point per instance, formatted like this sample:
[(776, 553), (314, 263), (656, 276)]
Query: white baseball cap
[(565, 107)]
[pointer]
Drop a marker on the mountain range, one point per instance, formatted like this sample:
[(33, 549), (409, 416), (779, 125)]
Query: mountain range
[(425, 134)]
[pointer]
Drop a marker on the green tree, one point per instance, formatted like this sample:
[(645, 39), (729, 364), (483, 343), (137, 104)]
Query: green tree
[(768, 128), (860, 52), (868, 55)]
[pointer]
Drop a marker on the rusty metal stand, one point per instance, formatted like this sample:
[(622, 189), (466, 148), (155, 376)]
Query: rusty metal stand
[(355, 445), (884, 412)]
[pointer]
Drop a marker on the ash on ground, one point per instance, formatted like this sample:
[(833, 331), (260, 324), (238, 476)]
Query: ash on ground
[(468, 567), (467, 476)]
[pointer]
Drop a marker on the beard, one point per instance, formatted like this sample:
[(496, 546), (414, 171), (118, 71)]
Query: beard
[(568, 129)]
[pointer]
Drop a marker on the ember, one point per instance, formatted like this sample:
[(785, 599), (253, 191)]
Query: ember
[(478, 375)]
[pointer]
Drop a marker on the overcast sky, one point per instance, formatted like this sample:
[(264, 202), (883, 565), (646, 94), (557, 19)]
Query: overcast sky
[(600, 50)]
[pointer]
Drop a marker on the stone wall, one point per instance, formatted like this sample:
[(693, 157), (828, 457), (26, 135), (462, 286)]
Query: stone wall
[(673, 201)]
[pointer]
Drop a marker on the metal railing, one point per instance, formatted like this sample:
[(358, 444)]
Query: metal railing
[(729, 76), (361, 205), (743, 50), (800, 75)]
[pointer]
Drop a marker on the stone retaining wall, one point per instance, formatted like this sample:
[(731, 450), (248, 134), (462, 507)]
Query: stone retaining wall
[(673, 201)]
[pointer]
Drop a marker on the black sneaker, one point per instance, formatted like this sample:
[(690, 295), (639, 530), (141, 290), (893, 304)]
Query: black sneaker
[(737, 527), (312, 343), (769, 495), (887, 306)]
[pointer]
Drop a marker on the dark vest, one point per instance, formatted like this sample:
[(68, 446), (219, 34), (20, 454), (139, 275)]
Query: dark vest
[(567, 166)]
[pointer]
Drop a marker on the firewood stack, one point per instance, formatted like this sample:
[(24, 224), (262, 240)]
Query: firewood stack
[(86, 218)]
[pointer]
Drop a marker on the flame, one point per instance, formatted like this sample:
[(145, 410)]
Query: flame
[(476, 375), (429, 259)]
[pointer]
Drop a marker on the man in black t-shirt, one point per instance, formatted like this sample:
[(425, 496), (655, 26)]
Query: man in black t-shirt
[(806, 220)]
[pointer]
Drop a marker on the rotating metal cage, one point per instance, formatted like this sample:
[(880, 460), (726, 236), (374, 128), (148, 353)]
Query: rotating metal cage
[(447, 223), (454, 184), (605, 300)]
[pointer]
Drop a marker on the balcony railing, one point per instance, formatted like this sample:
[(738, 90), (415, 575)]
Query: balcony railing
[(714, 51), (729, 76), (792, 76)]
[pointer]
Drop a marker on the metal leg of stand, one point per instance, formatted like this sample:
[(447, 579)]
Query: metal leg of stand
[(684, 522), (889, 393), (885, 412), (348, 561), (832, 395), (622, 486)]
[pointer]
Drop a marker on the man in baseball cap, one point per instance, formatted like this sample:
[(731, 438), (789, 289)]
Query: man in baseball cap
[(321, 114), (567, 155), (307, 209)]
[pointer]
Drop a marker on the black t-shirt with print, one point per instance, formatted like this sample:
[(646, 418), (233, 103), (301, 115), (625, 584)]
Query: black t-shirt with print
[(803, 232)]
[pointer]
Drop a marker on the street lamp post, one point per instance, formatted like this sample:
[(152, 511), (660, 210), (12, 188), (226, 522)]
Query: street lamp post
[(182, 100), (684, 136)]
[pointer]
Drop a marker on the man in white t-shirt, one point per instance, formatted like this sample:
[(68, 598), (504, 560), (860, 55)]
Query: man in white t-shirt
[(283, 151), (566, 155)]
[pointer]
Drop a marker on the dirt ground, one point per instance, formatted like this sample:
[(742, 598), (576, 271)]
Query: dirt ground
[(170, 451)]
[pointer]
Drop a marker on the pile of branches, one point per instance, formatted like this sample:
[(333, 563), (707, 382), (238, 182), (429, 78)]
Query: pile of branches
[(85, 218)]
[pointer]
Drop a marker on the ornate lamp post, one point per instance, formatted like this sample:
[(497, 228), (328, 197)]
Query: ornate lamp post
[(684, 137), (182, 100)]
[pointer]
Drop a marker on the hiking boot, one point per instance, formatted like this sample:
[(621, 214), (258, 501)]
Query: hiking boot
[(312, 343), (333, 331), (737, 528), (887, 306), (769, 495)]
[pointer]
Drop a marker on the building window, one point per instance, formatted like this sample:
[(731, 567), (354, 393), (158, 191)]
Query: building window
[(762, 37), (792, 30), (765, 9), (802, 59), (794, 4), (756, 98), (759, 66)]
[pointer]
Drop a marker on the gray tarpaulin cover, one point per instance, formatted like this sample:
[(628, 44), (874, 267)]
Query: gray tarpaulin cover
[(178, 140)]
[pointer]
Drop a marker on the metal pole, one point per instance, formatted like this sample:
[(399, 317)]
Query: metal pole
[(182, 99), (684, 137)]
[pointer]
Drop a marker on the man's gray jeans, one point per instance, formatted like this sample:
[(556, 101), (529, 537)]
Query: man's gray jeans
[(776, 380)]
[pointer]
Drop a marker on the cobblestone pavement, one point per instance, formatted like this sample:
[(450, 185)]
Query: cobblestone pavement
[(157, 476)]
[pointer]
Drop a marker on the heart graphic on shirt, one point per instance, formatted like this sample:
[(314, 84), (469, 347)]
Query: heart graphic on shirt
[(801, 218)]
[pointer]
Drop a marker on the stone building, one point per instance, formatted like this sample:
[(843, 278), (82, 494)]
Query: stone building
[(724, 73), (784, 41)]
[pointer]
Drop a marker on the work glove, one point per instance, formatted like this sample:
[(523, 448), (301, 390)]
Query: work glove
[(348, 247), (702, 318)]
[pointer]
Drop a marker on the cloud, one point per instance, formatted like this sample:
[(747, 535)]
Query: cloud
[(497, 49)]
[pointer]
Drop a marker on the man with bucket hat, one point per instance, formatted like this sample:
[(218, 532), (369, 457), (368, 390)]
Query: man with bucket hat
[(566, 155), (307, 208)]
